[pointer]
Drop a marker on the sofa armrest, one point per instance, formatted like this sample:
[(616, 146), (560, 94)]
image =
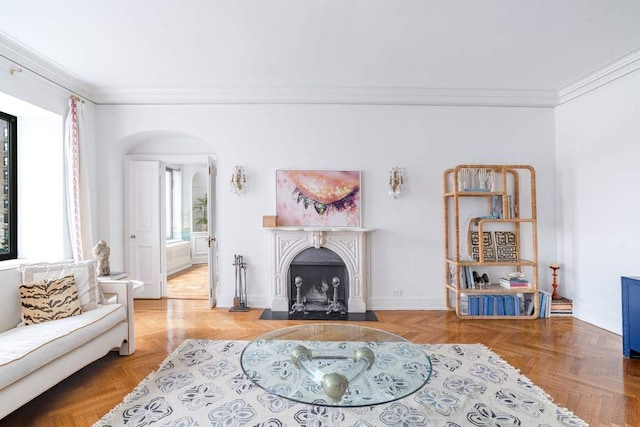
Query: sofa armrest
[(121, 292)]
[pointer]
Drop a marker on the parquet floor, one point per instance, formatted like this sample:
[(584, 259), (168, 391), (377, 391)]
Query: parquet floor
[(192, 283), (579, 365)]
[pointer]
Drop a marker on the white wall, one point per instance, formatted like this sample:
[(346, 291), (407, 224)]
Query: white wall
[(407, 246), (598, 203)]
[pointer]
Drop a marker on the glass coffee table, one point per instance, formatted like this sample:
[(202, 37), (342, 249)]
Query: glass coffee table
[(337, 365)]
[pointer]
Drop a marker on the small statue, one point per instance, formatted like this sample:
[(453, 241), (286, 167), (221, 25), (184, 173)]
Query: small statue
[(102, 252)]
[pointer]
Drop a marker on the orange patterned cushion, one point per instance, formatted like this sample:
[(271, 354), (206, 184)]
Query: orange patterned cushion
[(49, 300)]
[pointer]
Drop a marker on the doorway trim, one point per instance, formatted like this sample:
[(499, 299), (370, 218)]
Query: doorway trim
[(205, 159)]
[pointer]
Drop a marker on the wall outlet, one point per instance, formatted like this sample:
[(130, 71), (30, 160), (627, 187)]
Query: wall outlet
[(397, 293)]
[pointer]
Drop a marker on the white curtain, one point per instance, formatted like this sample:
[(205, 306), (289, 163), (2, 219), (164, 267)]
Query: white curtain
[(77, 183)]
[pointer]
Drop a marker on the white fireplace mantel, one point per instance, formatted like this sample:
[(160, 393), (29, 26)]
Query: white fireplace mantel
[(287, 242)]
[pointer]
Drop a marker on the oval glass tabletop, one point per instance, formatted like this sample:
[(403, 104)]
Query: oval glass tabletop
[(341, 365)]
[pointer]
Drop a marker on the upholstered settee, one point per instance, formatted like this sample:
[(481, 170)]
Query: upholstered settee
[(35, 357)]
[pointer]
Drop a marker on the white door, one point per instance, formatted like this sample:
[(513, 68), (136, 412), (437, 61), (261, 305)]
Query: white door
[(143, 236), (212, 240)]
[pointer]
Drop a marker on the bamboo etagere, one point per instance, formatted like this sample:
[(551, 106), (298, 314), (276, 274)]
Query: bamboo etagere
[(491, 232)]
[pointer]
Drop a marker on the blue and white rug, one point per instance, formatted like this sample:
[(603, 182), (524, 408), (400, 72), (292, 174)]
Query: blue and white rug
[(202, 384)]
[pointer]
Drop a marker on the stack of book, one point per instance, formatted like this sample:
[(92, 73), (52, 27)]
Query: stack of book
[(561, 307), (512, 281)]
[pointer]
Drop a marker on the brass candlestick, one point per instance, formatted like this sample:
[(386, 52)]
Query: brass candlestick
[(555, 268)]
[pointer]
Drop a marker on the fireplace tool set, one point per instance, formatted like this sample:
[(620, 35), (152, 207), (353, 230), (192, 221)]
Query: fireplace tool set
[(240, 298)]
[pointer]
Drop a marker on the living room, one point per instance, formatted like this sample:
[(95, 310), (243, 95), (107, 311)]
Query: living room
[(567, 109)]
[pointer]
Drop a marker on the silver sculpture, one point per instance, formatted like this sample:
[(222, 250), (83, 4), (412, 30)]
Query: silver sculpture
[(335, 305), (298, 306)]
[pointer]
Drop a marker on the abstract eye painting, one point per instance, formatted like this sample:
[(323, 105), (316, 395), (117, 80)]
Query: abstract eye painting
[(318, 198)]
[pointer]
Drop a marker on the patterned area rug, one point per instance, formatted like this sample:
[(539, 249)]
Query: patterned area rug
[(202, 383)]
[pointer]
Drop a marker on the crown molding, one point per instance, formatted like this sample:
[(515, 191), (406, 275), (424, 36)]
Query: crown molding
[(332, 95), (26, 58), (55, 75), (602, 76)]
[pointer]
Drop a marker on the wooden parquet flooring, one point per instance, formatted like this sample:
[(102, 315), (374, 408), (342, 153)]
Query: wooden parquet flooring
[(579, 365), (191, 283)]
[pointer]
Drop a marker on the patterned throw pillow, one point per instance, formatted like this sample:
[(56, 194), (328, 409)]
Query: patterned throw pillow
[(89, 290), (49, 300)]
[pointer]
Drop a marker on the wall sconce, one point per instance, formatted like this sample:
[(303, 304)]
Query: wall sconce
[(238, 179), (396, 181)]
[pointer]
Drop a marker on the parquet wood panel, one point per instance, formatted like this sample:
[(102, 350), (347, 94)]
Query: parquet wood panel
[(579, 365), (191, 283)]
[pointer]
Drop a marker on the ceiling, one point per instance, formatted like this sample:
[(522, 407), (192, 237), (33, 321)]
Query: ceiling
[(115, 50)]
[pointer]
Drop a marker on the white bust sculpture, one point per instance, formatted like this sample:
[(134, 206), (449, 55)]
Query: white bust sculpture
[(101, 251)]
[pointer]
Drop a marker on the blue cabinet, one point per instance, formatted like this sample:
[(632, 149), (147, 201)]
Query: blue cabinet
[(631, 316)]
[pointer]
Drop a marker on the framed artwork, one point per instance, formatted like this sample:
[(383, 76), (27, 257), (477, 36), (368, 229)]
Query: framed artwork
[(318, 198)]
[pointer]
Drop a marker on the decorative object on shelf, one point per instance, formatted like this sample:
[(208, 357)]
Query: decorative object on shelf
[(319, 198), (101, 252), (488, 249), (496, 206), (554, 268), (240, 298), (484, 175), (464, 179), (270, 221), (238, 179), (506, 246), (396, 181)]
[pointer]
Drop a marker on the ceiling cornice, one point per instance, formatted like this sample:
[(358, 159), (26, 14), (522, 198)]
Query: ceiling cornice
[(332, 95), (26, 58), (602, 76), (23, 56)]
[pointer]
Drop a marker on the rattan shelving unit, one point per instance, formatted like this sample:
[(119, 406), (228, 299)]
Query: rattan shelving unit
[(473, 208)]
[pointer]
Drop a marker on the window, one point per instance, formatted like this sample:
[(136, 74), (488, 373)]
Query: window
[(8, 179), (172, 203)]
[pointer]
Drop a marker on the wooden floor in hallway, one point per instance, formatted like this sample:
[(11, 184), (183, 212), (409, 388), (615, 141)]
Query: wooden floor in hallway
[(191, 283)]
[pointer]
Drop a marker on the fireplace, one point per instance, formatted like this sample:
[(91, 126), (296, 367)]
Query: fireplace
[(349, 245), (318, 282)]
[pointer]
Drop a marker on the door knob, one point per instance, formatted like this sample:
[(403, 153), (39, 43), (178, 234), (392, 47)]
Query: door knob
[(133, 236)]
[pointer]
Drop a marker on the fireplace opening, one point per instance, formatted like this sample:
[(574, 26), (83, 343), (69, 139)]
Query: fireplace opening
[(318, 282)]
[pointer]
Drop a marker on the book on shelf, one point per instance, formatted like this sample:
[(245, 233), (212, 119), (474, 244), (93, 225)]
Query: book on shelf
[(495, 305), (114, 275), (514, 280), (514, 283), (544, 303)]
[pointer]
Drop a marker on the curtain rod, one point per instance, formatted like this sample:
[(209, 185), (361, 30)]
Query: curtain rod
[(72, 96)]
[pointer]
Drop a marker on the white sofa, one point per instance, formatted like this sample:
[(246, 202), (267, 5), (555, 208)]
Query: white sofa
[(36, 357)]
